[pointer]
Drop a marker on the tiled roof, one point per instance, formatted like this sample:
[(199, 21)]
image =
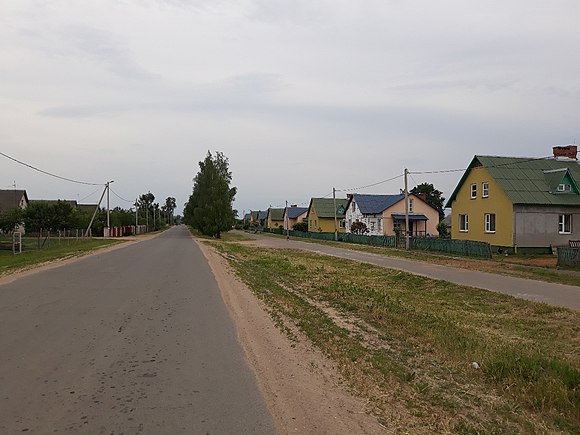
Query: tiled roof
[(276, 214), (325, 207), (376, 204), (10, 199), (262, 214), (528, 181), (294, 212)]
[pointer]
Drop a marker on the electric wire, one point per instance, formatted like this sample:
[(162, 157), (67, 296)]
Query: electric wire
[(49, 173), (370, 185), (120, 197), (88, 196)]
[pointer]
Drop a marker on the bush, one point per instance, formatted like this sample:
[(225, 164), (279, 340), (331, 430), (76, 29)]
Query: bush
[(301, 226)]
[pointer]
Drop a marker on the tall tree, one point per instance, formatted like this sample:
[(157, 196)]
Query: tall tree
[(433, 197), (209, 208), (145, 202), (170, 207)]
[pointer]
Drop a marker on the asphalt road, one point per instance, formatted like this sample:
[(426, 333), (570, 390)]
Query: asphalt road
[(538, 291), (137, 340)]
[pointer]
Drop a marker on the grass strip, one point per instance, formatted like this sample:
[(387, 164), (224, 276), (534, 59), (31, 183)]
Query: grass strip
[(415, 340), (10, 262)]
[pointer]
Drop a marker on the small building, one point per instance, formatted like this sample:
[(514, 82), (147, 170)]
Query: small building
[(275, 218), (322, 216), (517, 202), (294, 214), (11, 199), (383, 215)]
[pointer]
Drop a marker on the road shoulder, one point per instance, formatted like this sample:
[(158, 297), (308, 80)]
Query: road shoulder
[(302, 387)]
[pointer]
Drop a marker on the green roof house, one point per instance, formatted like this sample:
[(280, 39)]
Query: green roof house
[(515, 202), (321, 215)]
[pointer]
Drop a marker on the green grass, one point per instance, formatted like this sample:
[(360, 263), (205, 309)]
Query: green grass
[(499, 264), (418, 337), (32, 256)]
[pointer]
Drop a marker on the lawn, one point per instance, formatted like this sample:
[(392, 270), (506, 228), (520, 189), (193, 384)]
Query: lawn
[(538, 267), (429, 356), (56, 250)]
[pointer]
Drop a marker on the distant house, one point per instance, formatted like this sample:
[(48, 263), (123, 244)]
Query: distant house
[(294, 214), (87, 208), (515, 202), (11, 199), (258, 218), (71, 202), (322, 214), (275, 218), (383, 214)]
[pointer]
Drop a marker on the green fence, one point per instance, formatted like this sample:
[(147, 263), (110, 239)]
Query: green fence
[(569, 257), (466, 248)]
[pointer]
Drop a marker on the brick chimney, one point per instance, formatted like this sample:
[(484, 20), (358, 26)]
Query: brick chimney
[(568, 151)]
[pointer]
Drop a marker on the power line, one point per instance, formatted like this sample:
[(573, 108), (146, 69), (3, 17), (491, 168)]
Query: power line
[(120, 197), (88, 196), (369, 185), (443, 171), (48, 173)]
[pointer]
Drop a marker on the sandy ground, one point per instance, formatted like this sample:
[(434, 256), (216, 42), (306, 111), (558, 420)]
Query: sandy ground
[(302, 387)]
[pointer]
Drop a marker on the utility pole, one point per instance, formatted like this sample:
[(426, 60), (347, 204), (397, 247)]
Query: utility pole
[(95, 213), (136, 215), (335, 225), (406, 210), (286, 222), (108, 210)]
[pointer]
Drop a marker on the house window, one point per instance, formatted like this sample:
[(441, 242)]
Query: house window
[(372, 224), (463, 223), (353, 208), (564, 187), (410, 205), (490, 222), (473, 191), (342, 223), (565, 224), (485, 189)]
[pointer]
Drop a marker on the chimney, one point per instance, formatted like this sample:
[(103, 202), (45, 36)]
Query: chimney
[(568, 151)]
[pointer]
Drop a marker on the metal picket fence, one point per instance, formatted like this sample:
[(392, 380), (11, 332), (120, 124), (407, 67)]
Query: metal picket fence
[(465, 248), (568, 257)]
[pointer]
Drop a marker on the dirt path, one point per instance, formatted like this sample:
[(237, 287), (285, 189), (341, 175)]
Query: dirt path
[(302, 387)]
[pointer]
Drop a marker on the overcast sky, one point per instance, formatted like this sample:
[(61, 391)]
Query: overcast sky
[(300, 95)]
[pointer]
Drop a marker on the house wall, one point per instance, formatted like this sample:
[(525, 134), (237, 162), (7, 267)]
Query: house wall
[(323, 225), (419, 207), (274, 223), (300, 218), (537, 226), (497, 202)]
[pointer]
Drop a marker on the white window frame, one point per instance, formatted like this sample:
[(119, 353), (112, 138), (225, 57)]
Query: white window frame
[(342, 223), (473, 191), (485, 189), (465, 223), (562, 223), (488, 222), (564, 187)]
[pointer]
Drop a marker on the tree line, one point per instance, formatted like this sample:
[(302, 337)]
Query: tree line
[(60, 215)]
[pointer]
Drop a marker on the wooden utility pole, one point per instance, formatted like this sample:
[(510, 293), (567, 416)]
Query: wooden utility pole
[(406, 210), (335, 224)]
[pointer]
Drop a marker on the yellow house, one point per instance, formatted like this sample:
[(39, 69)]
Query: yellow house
[(321, 215), (512, 202), (275, 218)]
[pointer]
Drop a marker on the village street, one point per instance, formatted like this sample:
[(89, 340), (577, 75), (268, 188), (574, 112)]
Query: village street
[(539, 291), (136, 340)]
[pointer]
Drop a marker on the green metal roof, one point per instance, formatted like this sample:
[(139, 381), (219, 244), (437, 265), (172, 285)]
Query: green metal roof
[(276, 214), (325, 207), (529, 181)]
